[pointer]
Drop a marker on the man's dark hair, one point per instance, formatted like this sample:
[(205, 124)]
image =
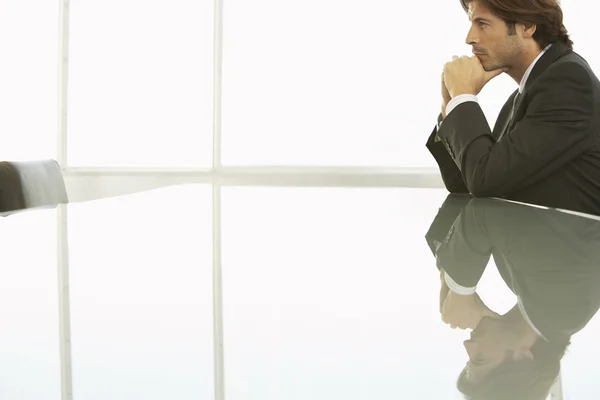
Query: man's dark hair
[(546, 14), (518, 380)]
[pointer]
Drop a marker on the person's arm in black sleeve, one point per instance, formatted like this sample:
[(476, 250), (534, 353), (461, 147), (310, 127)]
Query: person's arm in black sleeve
[(451, 175), (465, 252), (444, 219)]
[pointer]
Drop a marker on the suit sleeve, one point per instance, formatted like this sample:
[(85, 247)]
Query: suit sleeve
[(445, 218), (466, 252), (556, 129), (451, 175)]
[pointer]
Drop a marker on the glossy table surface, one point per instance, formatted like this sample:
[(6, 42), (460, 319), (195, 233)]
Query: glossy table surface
[(287, 293)]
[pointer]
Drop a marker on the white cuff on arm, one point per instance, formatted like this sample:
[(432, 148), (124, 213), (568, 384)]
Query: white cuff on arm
[(463, 98), (456, 288)]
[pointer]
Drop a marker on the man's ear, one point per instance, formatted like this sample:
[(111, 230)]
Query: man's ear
[(528, 354), (529, 30)]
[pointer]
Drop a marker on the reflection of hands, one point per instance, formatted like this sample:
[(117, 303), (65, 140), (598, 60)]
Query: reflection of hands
[(464, 311)]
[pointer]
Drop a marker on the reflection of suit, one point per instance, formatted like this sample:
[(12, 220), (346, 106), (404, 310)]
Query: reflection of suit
[(549, 259), (547, 154)]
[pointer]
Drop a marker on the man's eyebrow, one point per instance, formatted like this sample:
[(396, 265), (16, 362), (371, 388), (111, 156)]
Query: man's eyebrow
[(480, 19)]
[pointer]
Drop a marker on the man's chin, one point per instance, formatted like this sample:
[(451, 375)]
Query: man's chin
[(488, 67)]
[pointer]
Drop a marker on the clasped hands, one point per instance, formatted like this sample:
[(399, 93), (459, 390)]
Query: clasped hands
[(465, 75), (462, 311)]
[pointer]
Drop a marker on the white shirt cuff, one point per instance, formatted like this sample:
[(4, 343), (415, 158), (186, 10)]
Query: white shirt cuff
[(456, 288), (463, 98)]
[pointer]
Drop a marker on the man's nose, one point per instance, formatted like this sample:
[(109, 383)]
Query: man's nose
[(471, 39)]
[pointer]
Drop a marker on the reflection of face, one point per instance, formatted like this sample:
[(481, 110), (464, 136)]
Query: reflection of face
[(489, 35), (490, 345)]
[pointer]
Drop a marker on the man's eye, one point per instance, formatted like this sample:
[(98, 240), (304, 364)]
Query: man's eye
[(482, 24)]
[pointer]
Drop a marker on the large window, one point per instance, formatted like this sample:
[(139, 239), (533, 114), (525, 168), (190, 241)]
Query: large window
[(310, 83)]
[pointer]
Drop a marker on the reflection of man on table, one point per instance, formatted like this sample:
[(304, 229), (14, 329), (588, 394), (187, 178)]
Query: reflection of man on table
[(551, 262), (545, 145)]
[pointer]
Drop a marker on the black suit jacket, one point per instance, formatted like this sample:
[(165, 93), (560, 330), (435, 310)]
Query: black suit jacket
[(548, 154), (550, 259)]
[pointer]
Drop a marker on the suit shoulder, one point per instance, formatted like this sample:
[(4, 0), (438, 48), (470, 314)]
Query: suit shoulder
[(570, 71), (571, 64)]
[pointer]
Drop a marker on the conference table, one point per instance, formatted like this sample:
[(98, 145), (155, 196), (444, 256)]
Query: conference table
[(202, 291)]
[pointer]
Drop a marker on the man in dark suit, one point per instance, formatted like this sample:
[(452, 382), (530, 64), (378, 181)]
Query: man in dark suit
[(545, 146)]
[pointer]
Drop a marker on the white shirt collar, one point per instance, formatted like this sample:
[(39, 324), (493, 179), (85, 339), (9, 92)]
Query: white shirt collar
[(526, 75)]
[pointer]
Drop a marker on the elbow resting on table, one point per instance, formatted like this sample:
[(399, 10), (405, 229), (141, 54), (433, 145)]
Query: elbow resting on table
[(457, 188), (478, 189)]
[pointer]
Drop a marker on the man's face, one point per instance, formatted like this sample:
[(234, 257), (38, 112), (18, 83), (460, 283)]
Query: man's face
[(489, 346), (490, 39)]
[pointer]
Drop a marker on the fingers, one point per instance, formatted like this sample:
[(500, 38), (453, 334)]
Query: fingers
[(459, 324), (453, 324), (456, 321)]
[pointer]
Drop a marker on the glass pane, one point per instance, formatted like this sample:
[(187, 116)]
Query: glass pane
[(141, 83), (141, 295), (29, 79), (29, 337), (332, 82)]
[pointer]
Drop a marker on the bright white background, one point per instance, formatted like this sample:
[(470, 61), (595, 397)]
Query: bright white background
[(336, 82), (141, 295), (140, 83), (317, 82), (29, 333), (28, 79)]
